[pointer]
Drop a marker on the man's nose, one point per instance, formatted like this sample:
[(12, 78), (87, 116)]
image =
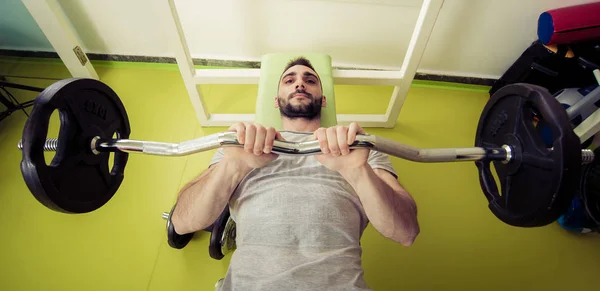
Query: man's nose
[(300, 84)]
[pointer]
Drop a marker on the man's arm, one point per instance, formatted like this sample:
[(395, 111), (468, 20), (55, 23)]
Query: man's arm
[(389, 207), (202, 200)]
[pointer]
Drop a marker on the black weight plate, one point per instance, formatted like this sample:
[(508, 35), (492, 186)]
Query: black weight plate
[(215, 247), (537, 185), (228, 243), (175, 240), (77, 180)]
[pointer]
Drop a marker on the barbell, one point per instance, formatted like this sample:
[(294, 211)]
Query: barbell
[(537, 183)]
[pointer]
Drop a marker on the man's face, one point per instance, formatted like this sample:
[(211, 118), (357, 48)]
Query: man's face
[(300, 94)]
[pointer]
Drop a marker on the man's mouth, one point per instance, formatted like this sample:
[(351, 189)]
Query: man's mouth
[(300, 95)]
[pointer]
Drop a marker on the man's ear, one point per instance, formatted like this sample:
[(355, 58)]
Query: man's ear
[(324, 101), (276, 103)]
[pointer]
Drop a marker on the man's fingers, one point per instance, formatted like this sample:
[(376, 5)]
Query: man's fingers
[(332, 141), (342, 137), (278, 135), (270, 137), (249, 138), (321, 135), (259, 140), (240, 130), (353, 130)]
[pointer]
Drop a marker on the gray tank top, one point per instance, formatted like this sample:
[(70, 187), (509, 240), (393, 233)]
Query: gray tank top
[(298, 226)]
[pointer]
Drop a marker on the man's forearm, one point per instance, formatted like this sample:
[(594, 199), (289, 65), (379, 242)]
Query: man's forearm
[(391, 211), (202, 200)]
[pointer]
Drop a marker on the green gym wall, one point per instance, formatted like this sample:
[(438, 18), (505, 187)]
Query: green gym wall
[(122, 246)]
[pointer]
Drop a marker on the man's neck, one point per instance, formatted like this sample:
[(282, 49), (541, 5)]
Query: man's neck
[(301, 124)]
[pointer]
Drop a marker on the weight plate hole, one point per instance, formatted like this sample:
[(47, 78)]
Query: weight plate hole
[(53, 133), (496, 179), (543, 130), (111, 156)]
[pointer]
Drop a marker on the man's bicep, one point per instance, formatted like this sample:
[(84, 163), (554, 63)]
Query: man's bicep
[(382, 166), (379, 160), (217, 157), (389, 179)]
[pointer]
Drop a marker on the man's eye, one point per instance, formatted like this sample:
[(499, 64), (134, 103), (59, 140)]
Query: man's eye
[(288, 81), (312, 82)]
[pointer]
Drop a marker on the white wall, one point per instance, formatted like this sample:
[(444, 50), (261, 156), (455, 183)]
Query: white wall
[(471, 37), (484, 37)]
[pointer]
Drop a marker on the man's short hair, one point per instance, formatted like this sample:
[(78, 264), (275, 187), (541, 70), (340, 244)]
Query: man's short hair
[(302, 61)]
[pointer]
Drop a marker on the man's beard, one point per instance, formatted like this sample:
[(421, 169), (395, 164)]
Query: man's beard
[(308, 111)]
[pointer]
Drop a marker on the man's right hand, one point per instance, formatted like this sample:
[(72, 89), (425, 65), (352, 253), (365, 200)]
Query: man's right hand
[(258, 143), (201, 201)]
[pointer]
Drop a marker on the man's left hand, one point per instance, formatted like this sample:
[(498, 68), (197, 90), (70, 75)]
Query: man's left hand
[(334, 142)]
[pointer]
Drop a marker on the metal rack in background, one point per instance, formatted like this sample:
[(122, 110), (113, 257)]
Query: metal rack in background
[(10, 102)]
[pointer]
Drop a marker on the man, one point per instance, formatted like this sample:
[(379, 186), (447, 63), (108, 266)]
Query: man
[(298, 219)]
